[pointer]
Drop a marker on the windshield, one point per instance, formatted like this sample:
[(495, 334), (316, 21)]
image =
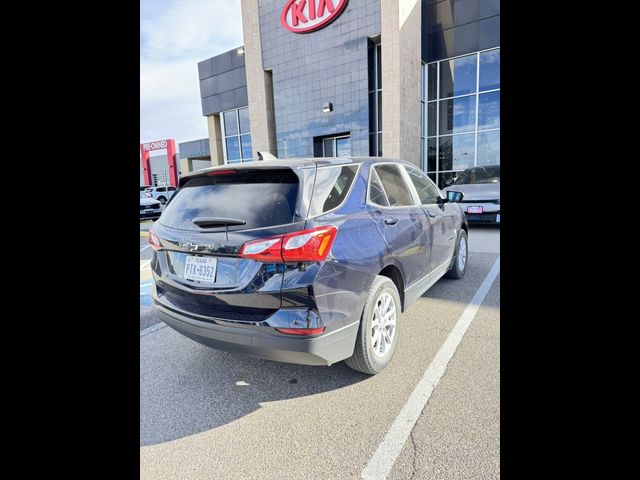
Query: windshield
[(488, 174), (143, 195), (260, 199)]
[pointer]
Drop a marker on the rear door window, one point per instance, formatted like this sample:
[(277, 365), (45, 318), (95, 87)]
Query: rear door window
[(331, 188), (394, 185), (264, 198)]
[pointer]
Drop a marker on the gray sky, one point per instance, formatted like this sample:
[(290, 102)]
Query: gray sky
[(174, 36)]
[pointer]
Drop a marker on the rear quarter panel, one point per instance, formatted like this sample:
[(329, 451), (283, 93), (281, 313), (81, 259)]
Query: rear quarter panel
[(358, 254)]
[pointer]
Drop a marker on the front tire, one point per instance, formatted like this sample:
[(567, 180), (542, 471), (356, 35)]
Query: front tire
[(378, 332), (162, 200), (460, 257)]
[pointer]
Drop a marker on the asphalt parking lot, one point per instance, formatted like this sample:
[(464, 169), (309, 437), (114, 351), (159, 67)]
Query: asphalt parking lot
[(208, 414)]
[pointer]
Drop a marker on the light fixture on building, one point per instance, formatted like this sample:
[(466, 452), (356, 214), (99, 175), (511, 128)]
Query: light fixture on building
[(327, 107), (240, 51)]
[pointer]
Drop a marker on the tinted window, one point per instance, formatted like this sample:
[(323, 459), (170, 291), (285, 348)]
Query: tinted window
[(490, 70), (171, 189), (458, 77), (331, 188), (261, 199), (490, 174), (426, 190), (394, 186), (376, 193)]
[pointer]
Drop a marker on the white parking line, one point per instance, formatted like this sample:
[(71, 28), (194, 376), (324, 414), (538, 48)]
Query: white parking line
[(380, 464), (152, 329), (144, 264)]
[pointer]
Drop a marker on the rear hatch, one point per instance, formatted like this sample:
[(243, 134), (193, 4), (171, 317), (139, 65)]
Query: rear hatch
[(203, 226)]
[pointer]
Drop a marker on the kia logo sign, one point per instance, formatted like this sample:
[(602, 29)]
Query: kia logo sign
[(300, 16), (147, 147)]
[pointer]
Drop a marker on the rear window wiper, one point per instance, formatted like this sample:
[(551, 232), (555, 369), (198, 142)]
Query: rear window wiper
[(208, 222)]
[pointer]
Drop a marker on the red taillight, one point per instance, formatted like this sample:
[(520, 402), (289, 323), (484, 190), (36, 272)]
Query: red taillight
[(154, 241), (301, 331), (222, 172), (312, 245)]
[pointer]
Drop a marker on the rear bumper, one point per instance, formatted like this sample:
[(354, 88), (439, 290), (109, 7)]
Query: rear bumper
[(325, 349)]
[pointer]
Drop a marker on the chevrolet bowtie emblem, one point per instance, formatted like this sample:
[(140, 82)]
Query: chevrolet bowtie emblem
[(192, 247)]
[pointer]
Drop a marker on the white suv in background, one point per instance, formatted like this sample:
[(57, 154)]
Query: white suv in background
[(162, 194)]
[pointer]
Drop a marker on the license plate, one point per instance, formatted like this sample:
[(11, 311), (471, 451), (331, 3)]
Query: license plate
[(200, 269), (474, 209)]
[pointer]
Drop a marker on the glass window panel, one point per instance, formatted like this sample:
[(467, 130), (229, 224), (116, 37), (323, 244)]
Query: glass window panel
[(447, 178), (328, 147), (458, 115), (379, 66), (243, 114), (233, 149), (245, 142), (394, 185), (230, 123), (379, 110), (376, 193), (343, 147), (433, 177), (432, 81), (427, 192), (458, 77), (490, 70), (372, 112), (380, 144), (489, 111), (489, 148), (457, 152), (372, 145), (431, 118), (431, 154)]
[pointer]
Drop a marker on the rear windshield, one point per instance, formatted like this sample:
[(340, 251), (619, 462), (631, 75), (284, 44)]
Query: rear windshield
[(489, 174), (260, 198)]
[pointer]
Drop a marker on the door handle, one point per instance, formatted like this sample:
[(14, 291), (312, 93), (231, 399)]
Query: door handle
[(431, 214), (390, 221)]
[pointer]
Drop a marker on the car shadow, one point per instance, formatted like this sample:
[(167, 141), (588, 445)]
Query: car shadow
[(187, 388)]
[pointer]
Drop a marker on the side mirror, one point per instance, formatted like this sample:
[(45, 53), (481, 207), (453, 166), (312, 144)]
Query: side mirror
[(454, 197)]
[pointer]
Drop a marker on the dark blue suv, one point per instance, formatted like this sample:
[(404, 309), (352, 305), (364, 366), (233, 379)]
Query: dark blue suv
[(306, 261)]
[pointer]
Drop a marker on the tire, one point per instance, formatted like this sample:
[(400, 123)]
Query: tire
[(457, 270), (366, 358), (162, 200)]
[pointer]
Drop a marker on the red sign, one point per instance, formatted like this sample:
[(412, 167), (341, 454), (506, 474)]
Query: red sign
[(159, 145), (300, 16)]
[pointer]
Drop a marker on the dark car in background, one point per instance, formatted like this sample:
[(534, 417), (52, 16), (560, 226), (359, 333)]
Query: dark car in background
[(481, 189), (306, 261)]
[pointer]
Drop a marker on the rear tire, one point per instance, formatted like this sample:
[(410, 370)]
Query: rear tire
[(373, 352), (460, 257), (162, 200)]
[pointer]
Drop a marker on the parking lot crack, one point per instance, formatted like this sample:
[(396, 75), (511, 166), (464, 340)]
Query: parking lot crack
[(415, 456)]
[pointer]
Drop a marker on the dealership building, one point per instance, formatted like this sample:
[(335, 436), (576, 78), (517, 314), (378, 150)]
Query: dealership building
[(417, 80)]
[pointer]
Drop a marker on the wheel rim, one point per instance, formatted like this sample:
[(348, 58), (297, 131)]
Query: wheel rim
[(462, 253), (383, 324)]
